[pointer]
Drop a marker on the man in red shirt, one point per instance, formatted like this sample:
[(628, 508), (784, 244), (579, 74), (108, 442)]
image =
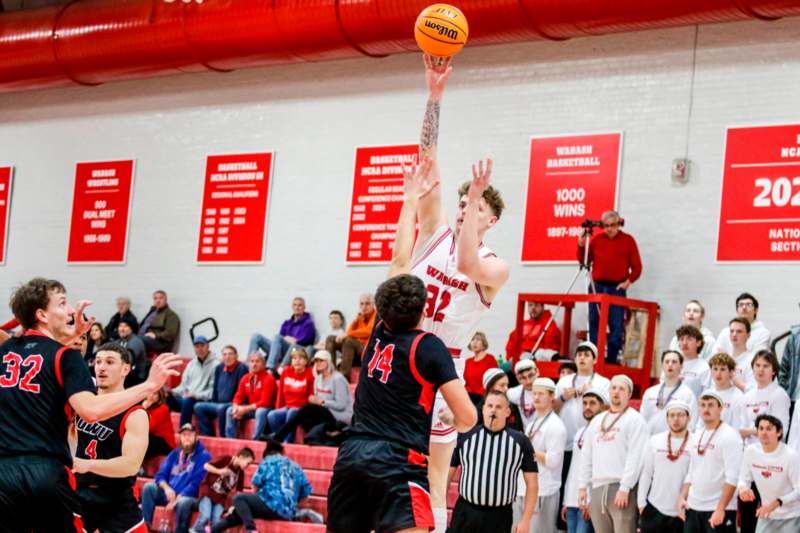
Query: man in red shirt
[(531, 331), (616, 264), (254, 397)]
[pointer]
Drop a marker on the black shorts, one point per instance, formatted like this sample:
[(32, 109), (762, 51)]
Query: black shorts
[(38, 494), (653, 521), (111, 511), (378, 485)]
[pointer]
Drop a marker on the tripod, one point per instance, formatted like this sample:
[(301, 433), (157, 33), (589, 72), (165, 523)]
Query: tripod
[(583, 268)]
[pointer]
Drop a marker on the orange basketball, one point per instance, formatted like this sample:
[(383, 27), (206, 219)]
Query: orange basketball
[(441, 30)]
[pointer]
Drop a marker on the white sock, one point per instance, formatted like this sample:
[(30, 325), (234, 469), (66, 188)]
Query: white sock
[(440, 518)]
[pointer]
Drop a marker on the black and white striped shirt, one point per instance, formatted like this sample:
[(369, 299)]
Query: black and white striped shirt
[(490, 464)]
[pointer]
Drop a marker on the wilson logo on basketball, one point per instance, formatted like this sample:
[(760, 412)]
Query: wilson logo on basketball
[(442, 30), (446, 12)]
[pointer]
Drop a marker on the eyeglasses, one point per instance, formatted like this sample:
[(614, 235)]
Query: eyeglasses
[(746, 305)]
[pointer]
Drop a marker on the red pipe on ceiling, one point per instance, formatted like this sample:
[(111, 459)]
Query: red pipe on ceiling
[(90, 42)]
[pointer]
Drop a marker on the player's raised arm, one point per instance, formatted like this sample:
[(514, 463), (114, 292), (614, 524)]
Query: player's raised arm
[(134, 446), (491, 271), (431, 214), (464, 414), (416, 186)]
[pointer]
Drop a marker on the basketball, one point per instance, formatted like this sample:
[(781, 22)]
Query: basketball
[(441, 30)]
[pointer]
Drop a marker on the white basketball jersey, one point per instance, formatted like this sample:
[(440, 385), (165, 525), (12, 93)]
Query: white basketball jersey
[(455, 302)]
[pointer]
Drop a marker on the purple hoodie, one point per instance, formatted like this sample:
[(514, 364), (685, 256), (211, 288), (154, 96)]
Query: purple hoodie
[(301, 329)]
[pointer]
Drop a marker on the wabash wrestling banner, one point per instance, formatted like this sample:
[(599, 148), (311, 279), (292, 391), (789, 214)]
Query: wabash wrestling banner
[(234, 213), (6, 177), (571, 178), (100, 206), (376, 201), (760, 209)]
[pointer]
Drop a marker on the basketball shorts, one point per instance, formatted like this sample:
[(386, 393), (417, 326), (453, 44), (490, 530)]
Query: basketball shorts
[(442, 433), (37, 494), (378, 485), (111, 510)]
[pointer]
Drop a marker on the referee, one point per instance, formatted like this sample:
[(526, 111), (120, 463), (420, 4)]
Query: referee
[(491, 456)]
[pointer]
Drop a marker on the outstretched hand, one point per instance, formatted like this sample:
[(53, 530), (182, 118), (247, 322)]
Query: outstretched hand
[(416, 179), (437, 72), (481, 175), (163, 368), (82, 324)]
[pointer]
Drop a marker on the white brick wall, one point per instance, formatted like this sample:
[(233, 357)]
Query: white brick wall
[(312, 116)]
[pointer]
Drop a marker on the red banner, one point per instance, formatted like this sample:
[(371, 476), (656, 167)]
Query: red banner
[(571, 178), (760, 212), (6, 175), (376, 202), (234, 215), (100, 207)]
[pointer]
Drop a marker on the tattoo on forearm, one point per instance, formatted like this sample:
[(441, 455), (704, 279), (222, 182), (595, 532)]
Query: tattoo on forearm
[(430, 127)]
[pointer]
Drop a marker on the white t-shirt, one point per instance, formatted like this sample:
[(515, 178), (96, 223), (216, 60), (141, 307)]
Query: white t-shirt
[(696, 375), (548, 435), (653, 412), (613, 455), (525, 403), (719, 465), (776, 474), (571, 486), (571, 412), (661, 479), (708, 344), (793, 441), (771, 400), (758, 340), (731, 408), (744, 368)]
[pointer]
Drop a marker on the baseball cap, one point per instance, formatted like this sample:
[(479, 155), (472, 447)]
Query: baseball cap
[(323, 355), (678, 404), (587, 345), (598, 393), (523, 365), (187, 427), (544, 383), (489, 375), (711, 393), (200, 339), (625, 380)]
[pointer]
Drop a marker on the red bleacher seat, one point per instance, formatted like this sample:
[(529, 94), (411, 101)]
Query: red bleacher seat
[(354, 373)]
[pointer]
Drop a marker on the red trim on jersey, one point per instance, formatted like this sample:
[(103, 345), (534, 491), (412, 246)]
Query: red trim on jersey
[(138, 528), (77, 521), (416, 458), (453, 245), (421, 507), (426, 396), (430, 250), (59, 353), (455, 352), (443, 432), (125, 419), (480, 294), (34, 332), (11, 324)]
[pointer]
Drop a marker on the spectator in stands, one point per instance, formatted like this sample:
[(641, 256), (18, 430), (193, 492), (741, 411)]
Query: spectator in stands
[(739, 329), (595, 401), (616, 265), (566, 368), (197, 381), (487, 488), (294, 389), (330, 405), (656, 398), (496, 380), (297, 330), (177, 482), (123, 312), (82, 345), (335, 328), (227, 376), (522, 395), (548, 437), (789, 374), (162, 433), (224, 478), (280, 485), (775, 470), (715, 456), (696, 374), (128, 339), (478, 364), (160, 327), (532, 329), (255, 398), (723, 370), (693, 315), (97, 337), (665, 464), (747, 309), (352, 343), (611, 462)]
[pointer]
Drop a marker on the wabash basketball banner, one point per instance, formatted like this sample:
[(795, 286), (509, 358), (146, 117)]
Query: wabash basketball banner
[(234, 213), (6, 175), (571, 178), (376, 202), (100, 205), (760, 213)]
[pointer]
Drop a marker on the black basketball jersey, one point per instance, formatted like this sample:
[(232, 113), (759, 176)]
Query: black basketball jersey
[(400, 374), (103, 440), (37, 377)]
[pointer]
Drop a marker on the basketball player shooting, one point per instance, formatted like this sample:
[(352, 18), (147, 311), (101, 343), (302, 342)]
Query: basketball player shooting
[(461, 275)]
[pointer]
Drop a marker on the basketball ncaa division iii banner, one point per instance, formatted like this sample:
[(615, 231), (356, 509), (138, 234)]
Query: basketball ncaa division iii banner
[(759, 216), (571, 178)]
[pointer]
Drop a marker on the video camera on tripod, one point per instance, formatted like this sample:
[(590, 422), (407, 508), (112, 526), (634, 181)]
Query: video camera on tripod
[(589, 224)]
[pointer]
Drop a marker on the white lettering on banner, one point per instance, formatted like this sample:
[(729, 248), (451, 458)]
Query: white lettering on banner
[(98, 224), (2, 187), (358, 217), (585, 149), (790, 151), (574, 162), (380, 189), (223, 231), (378, 207), (243, 165), (779, 192), (219, 195), (106, 213), (224, 221), (225, 211), (380, 198), (398, 158), (371, 171), (103, 173), (355, 244), (784, 240), (359, 208), (211, 212)]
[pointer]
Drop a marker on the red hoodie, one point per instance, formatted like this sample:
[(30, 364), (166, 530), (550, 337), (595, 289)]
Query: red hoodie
[(161, 423), (531, 329), (256, 388), (294, 388)]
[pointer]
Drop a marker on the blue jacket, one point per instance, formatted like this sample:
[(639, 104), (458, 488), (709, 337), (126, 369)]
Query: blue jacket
[(184, 478), (225, 383), (281, 484)]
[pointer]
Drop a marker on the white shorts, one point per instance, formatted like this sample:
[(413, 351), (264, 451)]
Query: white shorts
[(442, 433)]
